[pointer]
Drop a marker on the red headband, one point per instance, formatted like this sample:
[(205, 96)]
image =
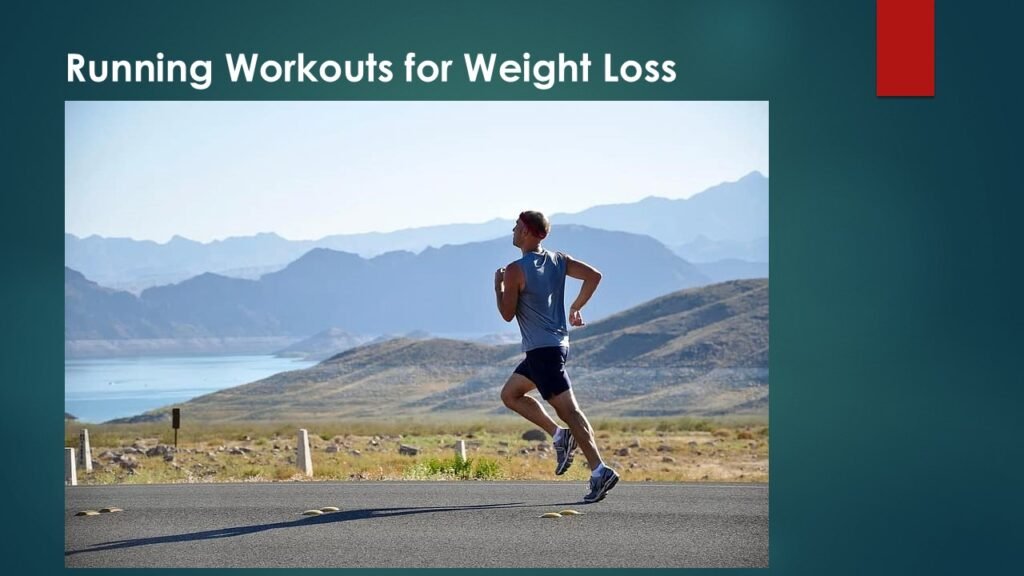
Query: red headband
[(538, 233)]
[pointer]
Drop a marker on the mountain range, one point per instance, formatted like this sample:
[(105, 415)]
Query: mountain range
[(727, 221), (731, 211), (700, 351), (440, 290)]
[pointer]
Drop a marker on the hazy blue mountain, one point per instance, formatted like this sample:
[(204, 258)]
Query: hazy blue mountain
[(704, 249), (732, 269), (449, 289), (142, 263), (138, 264), (415, 239), (726, 221), (94, 312), (101, 322), (736, 211), (215, 305), (440, 290)]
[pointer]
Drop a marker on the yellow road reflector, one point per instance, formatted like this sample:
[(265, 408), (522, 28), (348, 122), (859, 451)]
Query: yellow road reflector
[(88, 513), (570, 513), (312, 513), (111, 509), (330, 509), (551, 515)]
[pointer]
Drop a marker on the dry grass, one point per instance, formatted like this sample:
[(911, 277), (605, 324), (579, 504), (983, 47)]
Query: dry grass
[(662, 450)]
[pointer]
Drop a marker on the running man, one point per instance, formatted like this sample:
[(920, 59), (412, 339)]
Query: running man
[(532, 290)]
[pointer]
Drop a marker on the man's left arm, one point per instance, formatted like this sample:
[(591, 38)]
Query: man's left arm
[(591, 278)]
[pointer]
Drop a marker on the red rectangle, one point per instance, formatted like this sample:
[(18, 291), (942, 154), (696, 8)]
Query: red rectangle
[(905, 48)]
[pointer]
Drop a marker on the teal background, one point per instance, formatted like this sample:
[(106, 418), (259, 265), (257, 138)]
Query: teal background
[(895, 262)]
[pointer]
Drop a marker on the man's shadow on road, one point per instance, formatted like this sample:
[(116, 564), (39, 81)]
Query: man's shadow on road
[(331, 517)]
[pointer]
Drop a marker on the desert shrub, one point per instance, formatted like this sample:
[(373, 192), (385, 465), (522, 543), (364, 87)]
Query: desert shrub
[(454, 468), (487, 469), (251, 472)]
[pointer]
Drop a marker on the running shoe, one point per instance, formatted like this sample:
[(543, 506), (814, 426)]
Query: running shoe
[(564, 448), (601, 484)]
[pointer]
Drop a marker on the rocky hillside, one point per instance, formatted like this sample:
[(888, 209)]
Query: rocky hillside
[(702, 351)]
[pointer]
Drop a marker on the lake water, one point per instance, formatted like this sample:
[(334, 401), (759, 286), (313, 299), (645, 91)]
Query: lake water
[(100, 389)]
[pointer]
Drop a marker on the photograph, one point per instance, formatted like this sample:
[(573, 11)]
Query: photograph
[(416, 334)]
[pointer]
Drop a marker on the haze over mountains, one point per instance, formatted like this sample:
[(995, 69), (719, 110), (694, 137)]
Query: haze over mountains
[(440, 290), (701, 351), (725, 222), (675, 328), (730, 212)]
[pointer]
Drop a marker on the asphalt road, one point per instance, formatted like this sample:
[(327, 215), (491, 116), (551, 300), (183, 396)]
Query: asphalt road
[(416, 524)]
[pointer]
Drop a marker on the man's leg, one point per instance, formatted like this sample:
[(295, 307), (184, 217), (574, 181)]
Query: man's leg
[(602, 478), (569, 411), (513, 394)]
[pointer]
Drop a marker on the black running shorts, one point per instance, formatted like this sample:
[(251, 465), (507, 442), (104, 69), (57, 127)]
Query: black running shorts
[(545, 367)]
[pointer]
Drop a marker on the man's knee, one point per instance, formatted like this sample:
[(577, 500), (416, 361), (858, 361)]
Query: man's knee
[(515, 390), (510, 397)]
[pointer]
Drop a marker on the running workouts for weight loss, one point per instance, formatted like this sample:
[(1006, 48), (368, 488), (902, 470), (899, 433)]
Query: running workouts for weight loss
[(532, 290)]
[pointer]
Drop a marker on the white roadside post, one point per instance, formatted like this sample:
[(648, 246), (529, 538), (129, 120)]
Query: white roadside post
[(84, 454), (305, 460), (70, 474), (460, 450)]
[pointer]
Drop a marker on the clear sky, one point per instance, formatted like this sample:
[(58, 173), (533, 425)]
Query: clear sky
[(210, 170)]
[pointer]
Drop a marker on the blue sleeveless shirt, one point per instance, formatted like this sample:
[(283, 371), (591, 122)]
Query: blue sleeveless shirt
[(541, 309)]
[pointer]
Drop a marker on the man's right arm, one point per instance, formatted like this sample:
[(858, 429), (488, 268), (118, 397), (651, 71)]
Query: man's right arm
[(508, 282)]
